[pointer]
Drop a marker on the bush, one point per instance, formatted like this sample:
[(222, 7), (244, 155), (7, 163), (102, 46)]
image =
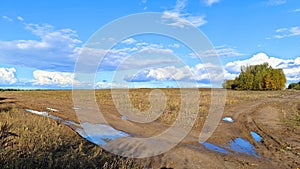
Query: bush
[(295, 86)]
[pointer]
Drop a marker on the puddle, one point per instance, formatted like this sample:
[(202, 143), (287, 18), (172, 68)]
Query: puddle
[(76, 108), (70, 122), (55, 118), (256, 136), (51, 109), (228, 119), (214, 148), (124, 118), (242, 146), (96, 133), (99, 134), (37, 112)]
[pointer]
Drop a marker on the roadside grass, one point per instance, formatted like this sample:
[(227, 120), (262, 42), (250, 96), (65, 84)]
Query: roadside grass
[(31, 141)]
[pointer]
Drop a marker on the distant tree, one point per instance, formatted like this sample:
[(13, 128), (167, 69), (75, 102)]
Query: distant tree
[(258, 77), (228, 84), (294, 86)]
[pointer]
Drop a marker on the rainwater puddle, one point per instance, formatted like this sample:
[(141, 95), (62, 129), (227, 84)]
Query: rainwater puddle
[(96, 133), (256, 136), (37, 112), (70, 122), (55, 118), (51, 109), (215, 148), (242, 146), (228, 119), (124, 118), (99, 134)]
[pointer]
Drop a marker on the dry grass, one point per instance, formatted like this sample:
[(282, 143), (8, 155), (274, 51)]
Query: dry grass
[(30, 141)]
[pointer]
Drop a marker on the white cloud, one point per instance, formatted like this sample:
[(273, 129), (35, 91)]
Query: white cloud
[(221, 51), (7, 75), (108, 85), (296, 10), (276, 2), (7, 18), (182, 20), (200, 72), (287, 32), (55, 49), (177, 18), (61, 79), (20, 18), (291, 67), (175, 45), (129, 41), (150, 49), (211, 2), (161, 74)]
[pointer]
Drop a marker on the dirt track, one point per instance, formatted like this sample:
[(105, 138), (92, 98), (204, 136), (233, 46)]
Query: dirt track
[(268, 116)]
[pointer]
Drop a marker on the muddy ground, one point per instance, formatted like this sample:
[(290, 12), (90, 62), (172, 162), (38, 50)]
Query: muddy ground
[(273, 115)]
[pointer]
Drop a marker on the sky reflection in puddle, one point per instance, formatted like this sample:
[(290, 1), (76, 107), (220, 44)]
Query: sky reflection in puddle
[(99, 134), (242, 146), (214, 148), (256, 136)]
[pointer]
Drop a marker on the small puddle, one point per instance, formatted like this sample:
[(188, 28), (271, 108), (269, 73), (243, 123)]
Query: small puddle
[(214, 148), (76, 108), (37, 112), (51, 109), (256, 136), (99, 134), (124, 118), (228, 119), (55, 118), (242, 146), (70, 122)]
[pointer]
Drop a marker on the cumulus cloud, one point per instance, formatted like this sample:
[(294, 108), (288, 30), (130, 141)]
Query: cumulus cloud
[(161, 74), (46, 78), (7, 76), (200, 73), (206, 73), (177, 18), (287, 32), (55, 49), (291, 67), (211, 2)]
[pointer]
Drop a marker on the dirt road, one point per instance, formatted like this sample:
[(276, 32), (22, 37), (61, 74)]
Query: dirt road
[(273, 116)]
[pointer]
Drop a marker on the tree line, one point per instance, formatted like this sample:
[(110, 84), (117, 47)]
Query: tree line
[(257, 77), (295, 86)]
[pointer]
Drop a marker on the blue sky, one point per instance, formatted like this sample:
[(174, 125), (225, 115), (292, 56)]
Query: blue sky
[(41, 41)]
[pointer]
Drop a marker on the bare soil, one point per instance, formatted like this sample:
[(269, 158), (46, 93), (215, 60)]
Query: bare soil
[(274, 115)]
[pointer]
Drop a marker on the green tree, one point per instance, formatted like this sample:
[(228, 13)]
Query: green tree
[(260, 77)]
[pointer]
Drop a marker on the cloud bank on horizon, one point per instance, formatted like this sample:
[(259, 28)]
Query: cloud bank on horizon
[(43, 55)]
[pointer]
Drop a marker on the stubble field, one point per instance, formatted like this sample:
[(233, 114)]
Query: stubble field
[(32, 141)]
